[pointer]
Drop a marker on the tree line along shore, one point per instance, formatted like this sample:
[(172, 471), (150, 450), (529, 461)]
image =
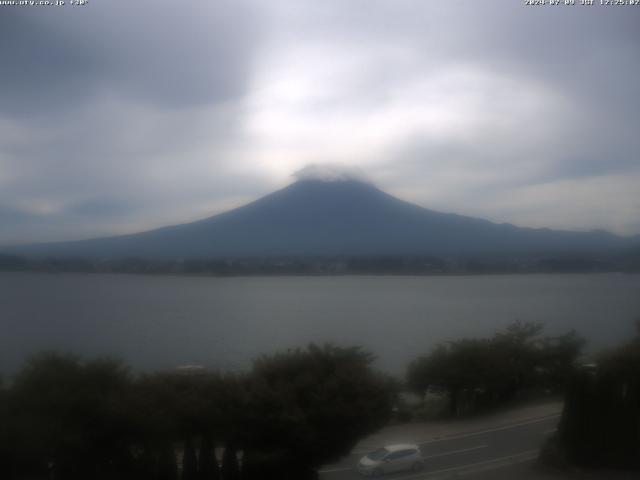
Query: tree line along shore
[(335, 265)]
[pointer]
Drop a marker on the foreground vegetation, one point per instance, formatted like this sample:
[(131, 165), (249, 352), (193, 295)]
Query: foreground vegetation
[(480, 373), (600, 425), (68, 419), (65, 418)]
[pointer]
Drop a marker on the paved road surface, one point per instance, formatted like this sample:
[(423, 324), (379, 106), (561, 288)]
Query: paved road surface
[(468, 452)]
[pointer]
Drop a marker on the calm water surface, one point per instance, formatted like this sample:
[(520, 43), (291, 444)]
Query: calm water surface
[(162, 321)]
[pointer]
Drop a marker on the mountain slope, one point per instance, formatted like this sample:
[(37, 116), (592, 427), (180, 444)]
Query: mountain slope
[(346, 217)]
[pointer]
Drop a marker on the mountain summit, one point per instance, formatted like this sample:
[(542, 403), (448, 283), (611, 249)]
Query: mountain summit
[(314, 217)]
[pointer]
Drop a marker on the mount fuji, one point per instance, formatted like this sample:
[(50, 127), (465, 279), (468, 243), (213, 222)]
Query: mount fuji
[(313, 217)]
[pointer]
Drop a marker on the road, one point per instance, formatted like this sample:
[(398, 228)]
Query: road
[(468, 452)]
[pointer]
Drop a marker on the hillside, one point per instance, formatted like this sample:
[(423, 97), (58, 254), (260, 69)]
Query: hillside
[(328, 218)]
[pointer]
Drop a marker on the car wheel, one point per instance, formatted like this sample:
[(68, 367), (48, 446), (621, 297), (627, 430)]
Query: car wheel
[(418, 466)]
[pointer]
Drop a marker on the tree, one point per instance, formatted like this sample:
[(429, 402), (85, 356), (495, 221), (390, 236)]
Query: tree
[(309, 407), (600, 425), (495, 370), (208, 464), (516, 353), (190, 461), (556, 359), (69, 417), (6, 468), (172, 409), (166, 468), (455, 366), (230, 467)]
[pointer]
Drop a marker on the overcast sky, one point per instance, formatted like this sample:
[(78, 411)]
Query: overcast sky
[(122, 115)]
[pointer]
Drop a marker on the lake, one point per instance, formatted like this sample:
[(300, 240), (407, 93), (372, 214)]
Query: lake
[(155, 322)]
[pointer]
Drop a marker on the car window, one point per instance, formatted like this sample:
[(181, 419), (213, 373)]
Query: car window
[(400, 454), (394, 455), (378, 454)]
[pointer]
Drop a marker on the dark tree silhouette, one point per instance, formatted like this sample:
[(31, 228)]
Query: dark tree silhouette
[(309, 407), (600, 424), (189, 461), (70, 418), (209, 469), (495, 370), (167, 468), (6, 467), (230, 467)]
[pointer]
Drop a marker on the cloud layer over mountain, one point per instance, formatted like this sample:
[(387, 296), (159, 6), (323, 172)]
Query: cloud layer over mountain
[(121, 116)]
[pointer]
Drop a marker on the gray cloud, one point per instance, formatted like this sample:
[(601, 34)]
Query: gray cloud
[(160, 53), (118, 111), (122, 116), (330, 173), (586, 56), (576, 64)]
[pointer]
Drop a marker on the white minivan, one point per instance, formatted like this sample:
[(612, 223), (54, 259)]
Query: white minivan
[(392, 458)]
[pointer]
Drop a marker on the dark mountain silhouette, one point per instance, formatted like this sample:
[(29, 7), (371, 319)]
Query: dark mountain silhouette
[(326, 218)]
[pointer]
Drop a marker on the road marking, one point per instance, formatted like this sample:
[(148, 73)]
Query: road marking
[(453, 452), (443, 454), (455, 437), (472, 434), (496, 429), (333, 470), (526, 457)]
